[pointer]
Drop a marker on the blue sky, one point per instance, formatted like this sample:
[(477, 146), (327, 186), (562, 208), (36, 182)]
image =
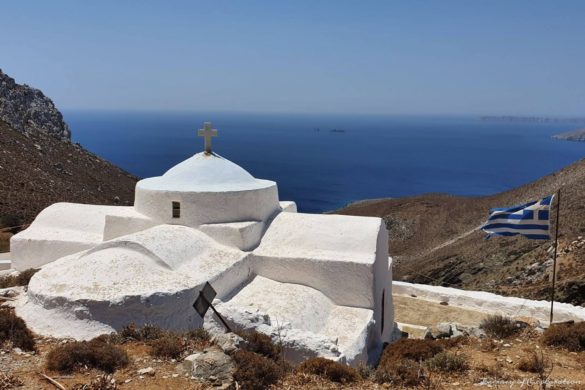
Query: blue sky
[(395, 57)]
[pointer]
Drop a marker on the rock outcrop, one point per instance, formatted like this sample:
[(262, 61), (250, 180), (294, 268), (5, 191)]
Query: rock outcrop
[(576, 135), (28, 110)]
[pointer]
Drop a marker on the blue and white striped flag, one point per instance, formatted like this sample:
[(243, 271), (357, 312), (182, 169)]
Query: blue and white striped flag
[(531, 220)]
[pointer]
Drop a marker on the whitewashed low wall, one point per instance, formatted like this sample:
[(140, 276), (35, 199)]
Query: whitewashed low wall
[(491, 303)]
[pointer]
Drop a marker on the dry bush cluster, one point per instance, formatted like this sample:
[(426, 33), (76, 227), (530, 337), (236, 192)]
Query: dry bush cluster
[(13, 329), (536, 363), (500, 327), (8, 381), (333, 371), (103, 382), (569, 335), (163, 343), (401, 363), (448, 362), (259, 365), (79, 355), (21, 279), (254, 371)]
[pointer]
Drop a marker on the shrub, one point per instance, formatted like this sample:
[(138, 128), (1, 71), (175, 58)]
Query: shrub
[(413, 349), (96, 353), (260, 343), (22, 279), (14, 330), (535, 362), (198, 334), (103, 382), (168, 346), (569, 335), (448, 362), (400, 362), (255, 372), (403, 373), (498, 326), (329, 369), (8, 381)]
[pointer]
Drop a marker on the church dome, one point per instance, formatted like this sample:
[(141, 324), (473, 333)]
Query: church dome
[(205, 172), (204, 189)]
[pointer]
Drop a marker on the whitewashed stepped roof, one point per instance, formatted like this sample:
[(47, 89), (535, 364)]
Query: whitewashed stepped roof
[(205, 172)]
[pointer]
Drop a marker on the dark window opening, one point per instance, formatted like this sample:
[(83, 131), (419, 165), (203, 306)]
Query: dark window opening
[(176, 209), (383, 307)]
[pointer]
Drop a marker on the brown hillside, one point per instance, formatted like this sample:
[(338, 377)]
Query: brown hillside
[(430, 242), (37, 170)]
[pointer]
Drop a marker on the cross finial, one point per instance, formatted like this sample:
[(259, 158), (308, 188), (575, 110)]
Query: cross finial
[(207, 132)]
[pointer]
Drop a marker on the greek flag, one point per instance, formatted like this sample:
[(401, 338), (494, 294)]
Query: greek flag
[(530, 220)]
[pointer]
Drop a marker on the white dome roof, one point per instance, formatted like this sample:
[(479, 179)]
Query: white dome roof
[(205, 172)]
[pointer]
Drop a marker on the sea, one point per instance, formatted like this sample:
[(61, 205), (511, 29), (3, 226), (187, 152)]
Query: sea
[(323, 162)]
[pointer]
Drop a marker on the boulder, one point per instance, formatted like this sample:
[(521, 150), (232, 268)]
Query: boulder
[(211, 366)]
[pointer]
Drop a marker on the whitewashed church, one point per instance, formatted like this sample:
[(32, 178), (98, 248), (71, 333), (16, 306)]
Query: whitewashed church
[(321, 283)]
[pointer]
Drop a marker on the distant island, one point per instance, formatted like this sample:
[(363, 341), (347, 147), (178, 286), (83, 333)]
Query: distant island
[(575, 135), (533, 119)]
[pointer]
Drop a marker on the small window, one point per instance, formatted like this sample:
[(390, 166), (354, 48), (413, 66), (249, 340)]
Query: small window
[(176, 209), (383, 308)]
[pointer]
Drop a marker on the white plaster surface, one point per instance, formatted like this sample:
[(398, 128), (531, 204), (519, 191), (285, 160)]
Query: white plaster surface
[(326, 252), (491, 303), (242, 235), (288, 206), (136, 278), (303, 319), (59, 230)]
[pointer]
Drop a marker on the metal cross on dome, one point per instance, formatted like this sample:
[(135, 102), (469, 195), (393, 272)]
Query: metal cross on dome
[(207, 132)]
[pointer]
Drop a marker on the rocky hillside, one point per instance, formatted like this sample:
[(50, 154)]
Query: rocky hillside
[(40, 166), (576, 135), (434, 239), (28, 110)]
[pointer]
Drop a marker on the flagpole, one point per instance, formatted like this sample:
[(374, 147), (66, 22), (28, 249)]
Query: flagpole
[(554, 275)]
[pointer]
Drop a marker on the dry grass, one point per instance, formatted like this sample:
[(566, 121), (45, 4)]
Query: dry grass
[(261, 344), (536, 362), (103, 382), (80, 355), (570, 336), (255, 372), (8, 381), (13, 329), (448, 362), (401, 362), (500, 327), (169, 346), (329, 369), (22, 279)]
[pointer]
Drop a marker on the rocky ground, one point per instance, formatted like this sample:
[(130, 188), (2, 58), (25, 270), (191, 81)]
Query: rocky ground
[(28, 110), (37, 170), (434, 239)]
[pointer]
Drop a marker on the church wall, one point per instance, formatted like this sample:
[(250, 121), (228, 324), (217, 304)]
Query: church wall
[(198, 208)]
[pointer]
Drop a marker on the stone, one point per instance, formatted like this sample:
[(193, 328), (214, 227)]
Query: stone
[(211, 366), (442, 330), (146, 371), (429, 334), (228, 342), (21, 101)]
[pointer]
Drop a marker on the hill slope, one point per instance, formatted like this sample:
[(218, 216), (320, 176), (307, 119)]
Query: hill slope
[(433, 240), (37, 170)]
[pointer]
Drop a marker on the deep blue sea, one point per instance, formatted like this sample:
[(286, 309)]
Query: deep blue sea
[(367, 156)]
